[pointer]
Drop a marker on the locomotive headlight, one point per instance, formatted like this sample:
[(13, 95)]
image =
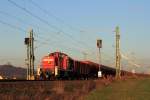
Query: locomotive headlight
[(49, 62)]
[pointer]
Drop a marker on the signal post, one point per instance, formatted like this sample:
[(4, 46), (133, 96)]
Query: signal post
[(99, 45), (29, 41)]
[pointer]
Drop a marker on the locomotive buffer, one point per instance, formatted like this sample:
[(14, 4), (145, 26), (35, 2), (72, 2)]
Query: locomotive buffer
[(99, 45)]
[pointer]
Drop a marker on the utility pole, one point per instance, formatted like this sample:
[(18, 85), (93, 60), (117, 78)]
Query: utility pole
[(99, 45), (31, 55), (118, 56), (29, 41), (27, 60)]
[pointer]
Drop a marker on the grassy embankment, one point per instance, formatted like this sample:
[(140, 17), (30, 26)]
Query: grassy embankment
[(45, 90), (129, 89)]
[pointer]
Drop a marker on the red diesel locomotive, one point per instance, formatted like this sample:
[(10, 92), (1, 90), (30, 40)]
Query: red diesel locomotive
[(61, 66)]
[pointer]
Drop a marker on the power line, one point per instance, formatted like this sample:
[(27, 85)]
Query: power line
[(69, 49), (54, 16), (4, 13), (12, 26), (44, 21), (30, 13), (58, 19), (45, 42), (18, 19), (50, 14), (15, 17), (48, 40), (81, 50), (15, 27), (129, 60), (44, 39), (10, 15)]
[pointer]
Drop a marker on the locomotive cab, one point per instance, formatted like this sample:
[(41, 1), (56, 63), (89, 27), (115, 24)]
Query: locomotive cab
[(54, 65)]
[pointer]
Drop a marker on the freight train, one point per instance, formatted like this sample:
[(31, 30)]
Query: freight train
[(59, 65)]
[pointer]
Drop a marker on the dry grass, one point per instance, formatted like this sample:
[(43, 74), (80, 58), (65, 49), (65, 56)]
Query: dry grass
[(103, 89), (45, 90), (128, 88)]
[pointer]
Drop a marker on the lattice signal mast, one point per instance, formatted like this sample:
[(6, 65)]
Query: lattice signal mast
[(118, 55), (29, 41)]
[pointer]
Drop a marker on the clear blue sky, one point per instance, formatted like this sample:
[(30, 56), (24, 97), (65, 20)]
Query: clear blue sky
[(84, 20)]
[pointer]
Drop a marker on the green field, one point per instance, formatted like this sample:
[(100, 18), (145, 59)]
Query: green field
[(129, 89)]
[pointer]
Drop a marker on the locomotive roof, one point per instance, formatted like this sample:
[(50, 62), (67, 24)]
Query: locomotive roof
[(58, 53)]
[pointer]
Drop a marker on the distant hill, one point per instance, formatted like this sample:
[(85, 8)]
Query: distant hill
[(10, 71)]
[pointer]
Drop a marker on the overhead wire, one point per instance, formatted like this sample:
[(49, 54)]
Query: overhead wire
[(12, 26), (42, 43), (54, 16), (42, 20), (46, 40), (4, 13), (30, 13), (129, 60), (60, 38), (16, 18), (21, 29), (46, 22), (50, 14), (19, 19)]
